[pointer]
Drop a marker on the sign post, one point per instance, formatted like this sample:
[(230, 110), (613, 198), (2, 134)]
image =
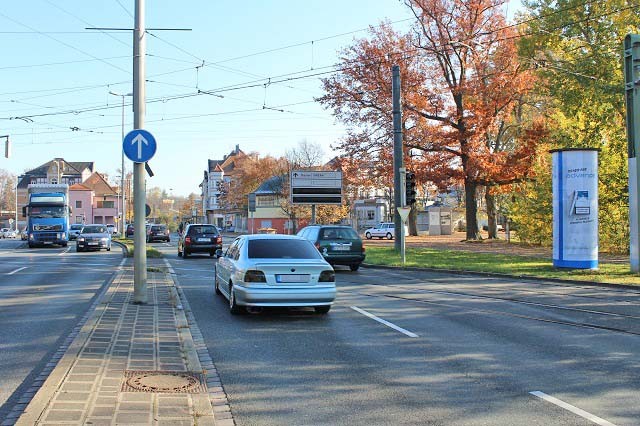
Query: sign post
[(404, 214), (632, 85)]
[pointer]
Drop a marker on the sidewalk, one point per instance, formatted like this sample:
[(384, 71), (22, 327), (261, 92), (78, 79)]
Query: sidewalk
[(132, 364)]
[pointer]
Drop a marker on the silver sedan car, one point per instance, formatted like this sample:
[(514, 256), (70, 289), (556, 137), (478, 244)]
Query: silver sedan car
[(267, 270)]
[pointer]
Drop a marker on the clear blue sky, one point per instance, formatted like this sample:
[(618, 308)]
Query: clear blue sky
[(51, 64)]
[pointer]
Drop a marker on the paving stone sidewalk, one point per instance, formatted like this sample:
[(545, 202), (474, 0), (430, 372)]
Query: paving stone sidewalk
[(132, 364)]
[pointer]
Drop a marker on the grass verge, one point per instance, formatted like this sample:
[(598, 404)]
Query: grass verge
[(500, 264), (151, 252)]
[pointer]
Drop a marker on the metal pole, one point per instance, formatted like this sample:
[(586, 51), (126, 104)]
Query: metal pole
[(313, 214), (398, 160), (17, 181), (140, 196), (122, 172)]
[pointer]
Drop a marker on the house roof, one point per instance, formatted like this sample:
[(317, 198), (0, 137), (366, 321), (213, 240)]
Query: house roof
[(227, 164), (68, 168), (79, 187), (99, 185), (273, 185)]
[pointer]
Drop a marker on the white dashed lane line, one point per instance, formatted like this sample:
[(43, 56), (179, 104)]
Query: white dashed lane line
[(16, 270), (595, 419), (381, 321)]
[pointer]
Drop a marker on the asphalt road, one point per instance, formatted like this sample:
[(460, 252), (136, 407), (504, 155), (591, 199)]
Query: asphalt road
[(455, 350), (44, 292)]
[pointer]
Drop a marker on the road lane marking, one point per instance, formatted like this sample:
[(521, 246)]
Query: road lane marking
[(65, 251), (595, 419), (16, 270), (381, 321)]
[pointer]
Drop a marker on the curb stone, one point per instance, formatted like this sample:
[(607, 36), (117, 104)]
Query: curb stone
[(217, 395), (499, 275)]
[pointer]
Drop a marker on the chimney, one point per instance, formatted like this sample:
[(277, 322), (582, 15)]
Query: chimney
[(237, 149)]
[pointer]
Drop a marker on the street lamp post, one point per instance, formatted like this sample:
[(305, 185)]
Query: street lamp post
[(122, 172)]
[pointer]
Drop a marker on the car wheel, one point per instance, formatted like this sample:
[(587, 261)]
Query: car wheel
[(234, 308), (389, 236), (354, 267), (212, 253), (368, 235), (108, 248), (64, 244), (185, 254), (322, 309), (179, 253), (215, 283), (168, 240), (78, 249)]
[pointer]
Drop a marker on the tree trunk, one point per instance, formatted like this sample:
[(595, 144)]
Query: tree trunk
[(413, 221), (492, 214), (471, 210)]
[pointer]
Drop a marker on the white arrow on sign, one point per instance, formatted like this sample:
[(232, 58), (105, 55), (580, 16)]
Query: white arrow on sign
[(139, 139)]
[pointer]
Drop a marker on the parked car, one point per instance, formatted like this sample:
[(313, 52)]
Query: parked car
[(74, 230), (339, 245), (199, 238), (383, 230), (7, 233), (112, 229), (129, 230), (94, 237), (24, 235), (158, 233), (262, 270)]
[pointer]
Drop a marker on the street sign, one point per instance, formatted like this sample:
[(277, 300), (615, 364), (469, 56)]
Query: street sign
[(139, 146), (404, 213), (147, 210), (316, 187)]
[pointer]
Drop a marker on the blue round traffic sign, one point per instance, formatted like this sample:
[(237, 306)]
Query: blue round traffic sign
[(139, 146)]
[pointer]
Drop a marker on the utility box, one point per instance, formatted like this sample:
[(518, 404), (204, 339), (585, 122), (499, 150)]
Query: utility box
[(440, 221)]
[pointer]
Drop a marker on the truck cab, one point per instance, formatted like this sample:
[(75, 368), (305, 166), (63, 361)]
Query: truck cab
[(48, 215)]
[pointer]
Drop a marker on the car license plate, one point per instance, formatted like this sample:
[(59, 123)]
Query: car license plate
[(204, 240), (292, 278), (341, 247), (93, 244)]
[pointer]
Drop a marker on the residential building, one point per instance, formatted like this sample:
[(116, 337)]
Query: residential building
[(217, 177), (91, 198)]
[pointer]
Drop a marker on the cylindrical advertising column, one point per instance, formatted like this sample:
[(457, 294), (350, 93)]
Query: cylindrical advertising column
[(575, 208)]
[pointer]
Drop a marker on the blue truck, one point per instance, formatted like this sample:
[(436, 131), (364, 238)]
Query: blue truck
[(48, 214)]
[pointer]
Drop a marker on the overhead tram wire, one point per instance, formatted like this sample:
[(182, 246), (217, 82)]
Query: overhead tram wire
[(64, 43), (273, 81)]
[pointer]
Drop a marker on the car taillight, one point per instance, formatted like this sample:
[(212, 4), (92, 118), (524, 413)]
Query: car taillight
[(219, 239), (327, 277), (255, 277), (187, 240)]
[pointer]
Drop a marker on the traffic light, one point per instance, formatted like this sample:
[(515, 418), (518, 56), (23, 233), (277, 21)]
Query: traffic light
[(410, 188)]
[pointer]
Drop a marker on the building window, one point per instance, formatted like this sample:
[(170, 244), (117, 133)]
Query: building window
[(106, 204), (78, 204), (79, 219), (267, 201), (371, 214)]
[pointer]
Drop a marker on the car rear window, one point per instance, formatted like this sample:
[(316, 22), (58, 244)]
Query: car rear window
[(282, 249), (338, 234), (203, 230), (158, 228), (94, 229), (76, 227)]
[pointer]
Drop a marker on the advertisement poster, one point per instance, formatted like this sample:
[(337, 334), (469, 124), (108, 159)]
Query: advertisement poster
[(575, 208)]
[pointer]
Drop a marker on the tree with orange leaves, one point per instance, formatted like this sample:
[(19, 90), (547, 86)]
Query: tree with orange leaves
[(461, 86)]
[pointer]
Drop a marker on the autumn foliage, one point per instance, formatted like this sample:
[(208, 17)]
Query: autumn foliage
[(463, 92)]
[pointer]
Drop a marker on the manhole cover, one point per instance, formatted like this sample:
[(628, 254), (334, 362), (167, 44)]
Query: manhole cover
[(163, 382)]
